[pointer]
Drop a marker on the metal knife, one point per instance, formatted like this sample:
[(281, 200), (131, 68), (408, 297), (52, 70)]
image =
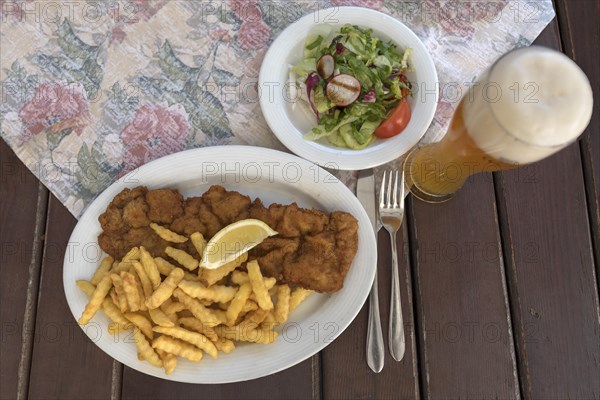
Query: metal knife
[(365, 191)]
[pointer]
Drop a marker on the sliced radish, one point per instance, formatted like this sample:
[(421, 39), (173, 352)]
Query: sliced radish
[(343, 89), (326, 66), (311, 81)]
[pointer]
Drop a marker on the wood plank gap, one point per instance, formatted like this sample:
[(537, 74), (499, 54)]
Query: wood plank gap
[(33, 285), (593, 212), (317, 377), (562, 20), (117, 381), (515, 323), (421, 359)]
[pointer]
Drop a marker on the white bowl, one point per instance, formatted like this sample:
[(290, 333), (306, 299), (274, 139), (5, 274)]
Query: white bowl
[(290, 124)]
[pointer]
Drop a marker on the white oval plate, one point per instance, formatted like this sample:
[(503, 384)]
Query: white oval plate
[(274, 177), (290, 124)]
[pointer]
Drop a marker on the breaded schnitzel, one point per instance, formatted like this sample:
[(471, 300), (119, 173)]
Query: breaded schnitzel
[(313, 250)]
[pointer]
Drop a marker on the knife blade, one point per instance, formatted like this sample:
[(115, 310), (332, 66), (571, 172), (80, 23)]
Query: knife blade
[(365, 191)]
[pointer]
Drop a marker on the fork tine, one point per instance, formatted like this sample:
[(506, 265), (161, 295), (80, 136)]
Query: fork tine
[(389, 192), (396, 190), (382, 191), (401, 190)]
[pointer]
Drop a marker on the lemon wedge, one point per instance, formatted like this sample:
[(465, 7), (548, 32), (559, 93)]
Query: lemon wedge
[(234, 240)]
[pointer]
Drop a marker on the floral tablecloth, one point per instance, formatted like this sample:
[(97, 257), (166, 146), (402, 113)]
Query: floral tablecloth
[(91, 90)]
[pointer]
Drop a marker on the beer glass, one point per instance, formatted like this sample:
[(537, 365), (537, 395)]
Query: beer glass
[(531, 103)]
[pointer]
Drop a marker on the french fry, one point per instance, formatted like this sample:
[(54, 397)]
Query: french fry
[(206, 303), (121, 302), (109, 307), (199, 242), (173, 318), (197, 325), (118, 285), (215, 293), (121, 266), (163, 266), (144, 280), (212, 276), (185, 314), (298, 297), (140, 289), (160, 318), (188, 276), (195, 338), (182, 257), (165, 289), (96, 299), (173, 307), (145, 350), (204, 314), (86, 287), (269, 283), (132, 255), (170, 314), (141, 322), (150, 267), (249, 306), (221, 315), (245, 334), (167, 234), (270, 319), (114, 328), (177, 347), (237, 304), (169, 361), (114, 313), (224, 345), (253, 319), (131, 291), (240, 277), (282, 307), (103, 268), (258, 286)]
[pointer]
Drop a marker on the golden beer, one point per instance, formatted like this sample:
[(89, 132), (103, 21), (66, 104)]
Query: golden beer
[(494, 133)]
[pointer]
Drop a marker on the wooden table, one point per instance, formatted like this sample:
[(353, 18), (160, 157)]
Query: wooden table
[(499, 286)]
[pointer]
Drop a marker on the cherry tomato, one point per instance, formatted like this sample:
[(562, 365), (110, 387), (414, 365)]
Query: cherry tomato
[(395, 122)]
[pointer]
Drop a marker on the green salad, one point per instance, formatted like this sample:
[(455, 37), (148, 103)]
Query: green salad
[(355, 84)]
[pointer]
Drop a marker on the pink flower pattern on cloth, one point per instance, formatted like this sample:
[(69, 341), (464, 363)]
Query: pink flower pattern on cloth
[(155, 132), (136, 80), (55, 107)]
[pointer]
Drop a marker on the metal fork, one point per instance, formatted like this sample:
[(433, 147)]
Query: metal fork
[(391, 214)]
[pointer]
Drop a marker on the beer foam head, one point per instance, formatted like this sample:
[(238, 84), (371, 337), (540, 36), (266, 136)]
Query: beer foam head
[(537, 100)]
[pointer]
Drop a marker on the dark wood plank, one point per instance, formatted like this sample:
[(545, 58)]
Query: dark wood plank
[(550, 267), (299, 382), (580, 33), (65, 362), (463, 314), (346, 374), (22, 217)]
